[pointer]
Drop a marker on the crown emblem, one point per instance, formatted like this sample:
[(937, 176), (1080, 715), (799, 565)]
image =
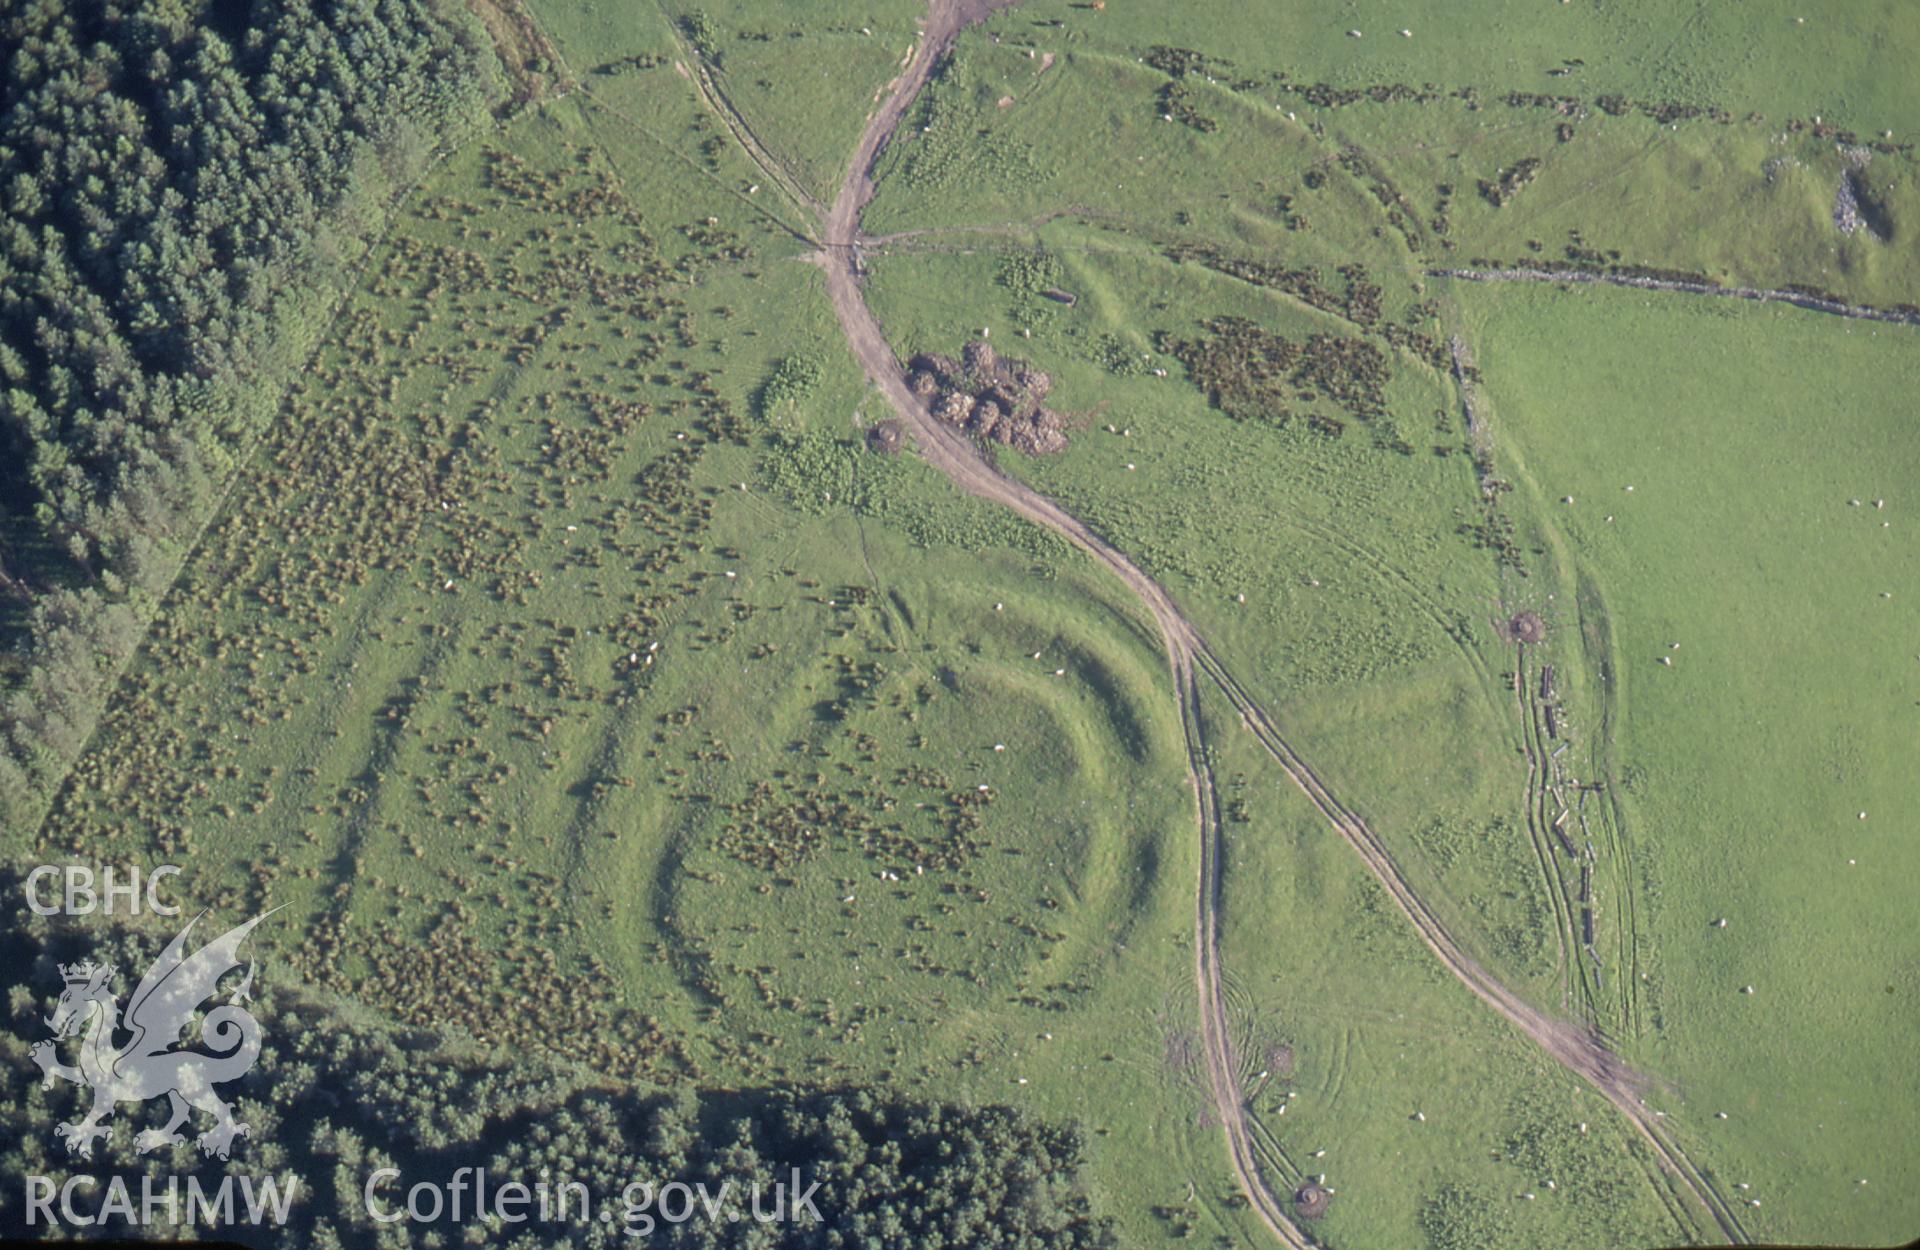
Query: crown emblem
[(82, 972)]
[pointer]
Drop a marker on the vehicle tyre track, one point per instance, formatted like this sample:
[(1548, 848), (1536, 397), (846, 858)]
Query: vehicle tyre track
[(1580, 1051), (716, 99)]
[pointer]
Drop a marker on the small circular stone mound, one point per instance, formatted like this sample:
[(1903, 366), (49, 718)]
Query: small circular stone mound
[(1527, 627), (887, 437), (1312, 1199)]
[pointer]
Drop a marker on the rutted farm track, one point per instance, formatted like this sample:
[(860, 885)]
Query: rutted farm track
[(1193, 663)]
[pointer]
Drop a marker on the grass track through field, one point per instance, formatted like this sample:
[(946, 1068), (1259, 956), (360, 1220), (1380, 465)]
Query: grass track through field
[(717, 100)]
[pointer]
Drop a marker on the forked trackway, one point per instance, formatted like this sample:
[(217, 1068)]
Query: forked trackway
[(1191, 659)]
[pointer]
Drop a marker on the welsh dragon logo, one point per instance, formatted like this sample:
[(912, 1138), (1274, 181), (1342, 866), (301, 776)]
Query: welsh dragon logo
[(151, 1062)]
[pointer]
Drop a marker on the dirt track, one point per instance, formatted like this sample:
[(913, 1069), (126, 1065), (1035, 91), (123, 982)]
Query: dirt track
[(1190, 660), (960, 461)]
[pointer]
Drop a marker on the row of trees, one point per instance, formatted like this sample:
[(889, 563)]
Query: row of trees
[(185, 182), (337, 1095)]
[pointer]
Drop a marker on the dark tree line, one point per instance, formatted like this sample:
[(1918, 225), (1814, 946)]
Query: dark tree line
[(336, 1095), (181, 180)]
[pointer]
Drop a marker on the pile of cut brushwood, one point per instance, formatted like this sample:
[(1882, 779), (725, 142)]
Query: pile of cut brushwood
[(990, 396)]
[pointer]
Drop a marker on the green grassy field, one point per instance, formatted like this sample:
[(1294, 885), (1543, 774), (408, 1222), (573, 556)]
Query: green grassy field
[(1030, 123), (395, 677), (1743, 767), (1396, 685), (806, 85), (537, 643), (801, 83), (565, 630), (1757, 56), (1331, 571), (1425, 1144)]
